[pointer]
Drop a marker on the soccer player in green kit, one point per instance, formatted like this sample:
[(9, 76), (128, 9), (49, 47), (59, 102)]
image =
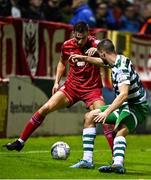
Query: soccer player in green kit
[(128, 109)]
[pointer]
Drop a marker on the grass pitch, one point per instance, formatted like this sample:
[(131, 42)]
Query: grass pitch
[(35, 162)]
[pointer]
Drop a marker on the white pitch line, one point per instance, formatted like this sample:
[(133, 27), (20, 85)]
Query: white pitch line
[(23, 152), (46, 151), (37, 152)]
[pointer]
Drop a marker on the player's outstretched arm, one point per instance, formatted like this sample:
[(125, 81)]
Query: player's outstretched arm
[(89, 59)]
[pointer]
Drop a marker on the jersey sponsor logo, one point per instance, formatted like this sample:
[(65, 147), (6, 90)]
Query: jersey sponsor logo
[(80, 63)]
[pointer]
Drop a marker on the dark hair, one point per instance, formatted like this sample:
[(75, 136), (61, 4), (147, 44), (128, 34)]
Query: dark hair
[(81, 27), (106, 45)]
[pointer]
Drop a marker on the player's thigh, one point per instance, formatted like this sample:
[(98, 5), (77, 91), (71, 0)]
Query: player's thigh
[(96, 104), (140, 111), (111, 119), (93, 98), (57, 101), (136, 115), (89, 116), (129, 118)]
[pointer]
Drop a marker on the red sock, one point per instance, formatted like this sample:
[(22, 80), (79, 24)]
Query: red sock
[(31, 125), (109, 134)]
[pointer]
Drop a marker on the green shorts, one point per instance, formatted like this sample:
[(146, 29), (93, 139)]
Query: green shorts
[(130, 115)]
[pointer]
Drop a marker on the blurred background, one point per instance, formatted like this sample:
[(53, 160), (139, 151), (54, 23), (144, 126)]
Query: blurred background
[(122, 15)]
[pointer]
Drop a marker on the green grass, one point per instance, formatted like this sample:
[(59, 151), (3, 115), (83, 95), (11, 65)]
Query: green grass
[(35, 162)]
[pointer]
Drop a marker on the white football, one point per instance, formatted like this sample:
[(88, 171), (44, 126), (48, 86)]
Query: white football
[(60, 150)]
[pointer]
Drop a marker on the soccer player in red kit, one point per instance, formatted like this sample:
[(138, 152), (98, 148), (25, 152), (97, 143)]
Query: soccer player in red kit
[(83, 83)]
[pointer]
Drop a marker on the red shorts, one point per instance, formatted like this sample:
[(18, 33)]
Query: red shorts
[(87, 96)]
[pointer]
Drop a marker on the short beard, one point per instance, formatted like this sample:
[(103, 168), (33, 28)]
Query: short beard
[(105, 62)]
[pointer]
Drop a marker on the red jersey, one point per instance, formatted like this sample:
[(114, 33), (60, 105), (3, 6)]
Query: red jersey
[(81, 75)]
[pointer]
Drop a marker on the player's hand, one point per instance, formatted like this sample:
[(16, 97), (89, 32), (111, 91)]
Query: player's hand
[(76, 57), (55, 88), (91, 51), (100, 117)]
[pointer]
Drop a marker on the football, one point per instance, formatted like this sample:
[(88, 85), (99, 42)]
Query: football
[(60, 150)]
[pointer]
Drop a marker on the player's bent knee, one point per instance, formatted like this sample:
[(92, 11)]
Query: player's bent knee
[(122, 131), (88, 120), (86, 116)]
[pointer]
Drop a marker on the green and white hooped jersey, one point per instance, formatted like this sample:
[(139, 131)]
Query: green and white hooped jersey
[(123, 73)]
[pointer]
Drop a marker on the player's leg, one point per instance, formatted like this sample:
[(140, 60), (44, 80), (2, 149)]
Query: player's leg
[(58, 100), (120, 148), (108, 129), (89, 134), (126, 122), (90, 130), (119, 152), (93, 100)]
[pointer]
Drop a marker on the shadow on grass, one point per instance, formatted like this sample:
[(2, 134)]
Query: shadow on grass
[(131, 171), (138, 164), (142, 173)]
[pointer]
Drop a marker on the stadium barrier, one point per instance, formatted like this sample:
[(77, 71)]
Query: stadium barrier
[(32, 48), (21, 97)]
